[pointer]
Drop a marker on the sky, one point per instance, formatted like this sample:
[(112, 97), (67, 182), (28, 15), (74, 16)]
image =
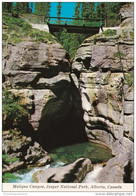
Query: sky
[(67, 9)]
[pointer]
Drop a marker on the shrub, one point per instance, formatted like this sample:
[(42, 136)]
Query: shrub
[(18, 30), (118, 55), (130, 79), (8, 176), (110, 32), (12, 111)]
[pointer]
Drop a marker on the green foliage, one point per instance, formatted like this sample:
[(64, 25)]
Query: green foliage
[(129, 78), (7, 160), (4, 156), (18, 30), (6, 177), (4, 37), (88, 11), (42, 9), (59, 9), (70, 41), (132, 34), (77, 10), (20, 8), (107, 12), (6, 6), (11, 108), (9, 176), (110, 32), (118, 55), (33, 18), (12, 160), (101, 11)]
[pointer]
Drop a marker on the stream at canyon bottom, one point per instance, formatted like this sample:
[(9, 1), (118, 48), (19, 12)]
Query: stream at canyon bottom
[(97, 153)]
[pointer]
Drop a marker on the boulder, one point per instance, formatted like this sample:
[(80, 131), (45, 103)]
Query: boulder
[(74, 172), (43, 161), (118, 169), (21, 151), (13, 167), (48, 58), (127, 11)]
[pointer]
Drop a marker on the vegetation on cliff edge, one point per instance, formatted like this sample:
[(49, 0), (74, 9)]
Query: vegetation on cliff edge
[(16, 30), (12, 111)]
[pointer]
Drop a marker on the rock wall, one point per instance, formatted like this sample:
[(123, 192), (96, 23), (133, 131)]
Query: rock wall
[(103, 72), (74, 172), (92, 100), (39, 74)]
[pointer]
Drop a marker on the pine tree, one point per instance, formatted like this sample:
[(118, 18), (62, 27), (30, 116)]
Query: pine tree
[(77, 10), (6, 6), (42, 9), (59, 9), (88, 11), (59, 12), (20, 8), (101, 11)]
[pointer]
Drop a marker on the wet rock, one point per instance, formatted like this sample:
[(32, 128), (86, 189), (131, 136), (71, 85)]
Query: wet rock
[(13, 167), (21, 151), (43, 161), (74, 172), (34, 153), (115, 171)]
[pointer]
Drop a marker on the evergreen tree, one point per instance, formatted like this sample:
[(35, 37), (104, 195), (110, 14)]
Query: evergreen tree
[(77, 10), (6, 6), (88, 11), (42, 9), (20, 8), (101, 11), (59, 9), (59, 12)]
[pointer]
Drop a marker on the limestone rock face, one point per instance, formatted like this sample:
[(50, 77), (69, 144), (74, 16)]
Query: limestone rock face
[(39, 74), (37, 56), (24, 149), (127, 11), (74, 172), (103, 72)]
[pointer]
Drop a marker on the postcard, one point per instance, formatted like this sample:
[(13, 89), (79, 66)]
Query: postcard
[(67, 96)]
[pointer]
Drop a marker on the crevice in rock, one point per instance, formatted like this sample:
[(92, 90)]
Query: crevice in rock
[(71, 176), (128, 171), (99, 127), (76, 72), (86, 62), (62, 118)]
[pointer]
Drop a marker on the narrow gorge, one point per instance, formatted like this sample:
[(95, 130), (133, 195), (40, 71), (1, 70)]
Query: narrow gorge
[(90, 100)]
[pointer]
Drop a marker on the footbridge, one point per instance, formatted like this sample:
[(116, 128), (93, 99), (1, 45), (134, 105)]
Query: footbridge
[(73, 25)]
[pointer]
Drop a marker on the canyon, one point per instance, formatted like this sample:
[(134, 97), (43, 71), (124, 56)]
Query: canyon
[(91, 99)]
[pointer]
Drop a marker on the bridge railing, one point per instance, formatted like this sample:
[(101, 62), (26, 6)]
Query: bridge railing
[(74, 21)]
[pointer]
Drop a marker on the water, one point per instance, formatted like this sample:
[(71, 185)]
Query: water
[(26, 175), (97, 153), (92, 176)]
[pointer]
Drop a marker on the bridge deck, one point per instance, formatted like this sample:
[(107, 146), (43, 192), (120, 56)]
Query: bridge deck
[(74, 25)]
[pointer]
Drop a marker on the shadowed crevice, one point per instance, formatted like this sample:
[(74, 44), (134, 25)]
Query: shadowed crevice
[(62, 118)]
